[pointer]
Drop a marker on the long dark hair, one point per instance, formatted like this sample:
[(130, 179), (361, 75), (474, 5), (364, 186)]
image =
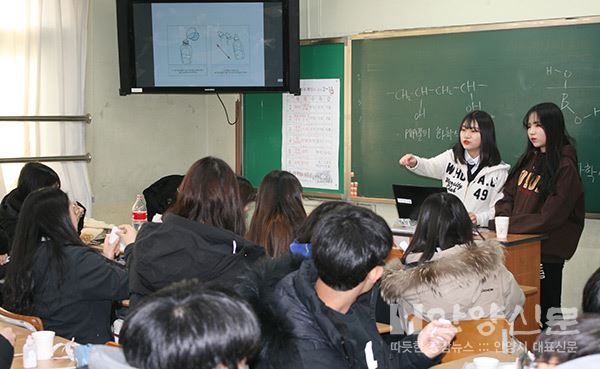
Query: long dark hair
[(209, 194), (443, 222), (553, 122), (35, 175), (488, 153), (44, 216), (279, 212)]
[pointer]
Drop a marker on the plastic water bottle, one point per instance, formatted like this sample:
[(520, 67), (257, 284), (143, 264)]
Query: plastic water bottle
[(139, 213), (29, 355)]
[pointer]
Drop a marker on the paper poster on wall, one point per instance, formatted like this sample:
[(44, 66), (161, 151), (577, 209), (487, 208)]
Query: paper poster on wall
[(311, 133)]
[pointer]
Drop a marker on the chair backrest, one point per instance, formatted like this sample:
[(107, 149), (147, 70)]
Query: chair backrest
[(33, 323), (475, 337)]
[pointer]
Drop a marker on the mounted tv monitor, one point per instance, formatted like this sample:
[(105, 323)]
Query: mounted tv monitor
[(208, 46)]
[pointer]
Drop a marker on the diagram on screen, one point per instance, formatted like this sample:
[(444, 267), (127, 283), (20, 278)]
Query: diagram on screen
[(231, 42), (229, 45), (187, 45), (186, 50)]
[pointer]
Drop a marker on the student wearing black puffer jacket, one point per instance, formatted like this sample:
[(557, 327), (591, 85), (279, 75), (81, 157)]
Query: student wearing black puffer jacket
[(201, 235), (321, 314)]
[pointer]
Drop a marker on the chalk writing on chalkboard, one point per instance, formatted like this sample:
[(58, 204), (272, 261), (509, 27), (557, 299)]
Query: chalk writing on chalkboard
[(420, 134), (424, 92), (589, 171), (565, 104)]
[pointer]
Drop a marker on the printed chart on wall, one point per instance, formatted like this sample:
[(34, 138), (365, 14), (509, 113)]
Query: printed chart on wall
[(200, 50), (311, 132)]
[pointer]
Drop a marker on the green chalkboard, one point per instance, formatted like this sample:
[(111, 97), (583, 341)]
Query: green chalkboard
[(263, 115), (410, 93)]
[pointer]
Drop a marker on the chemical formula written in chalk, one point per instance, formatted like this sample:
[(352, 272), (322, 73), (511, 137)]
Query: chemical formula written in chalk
[(565, 105), (418, 94)]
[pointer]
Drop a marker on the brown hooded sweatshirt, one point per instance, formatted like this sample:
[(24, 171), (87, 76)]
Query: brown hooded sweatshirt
[(559, 215)]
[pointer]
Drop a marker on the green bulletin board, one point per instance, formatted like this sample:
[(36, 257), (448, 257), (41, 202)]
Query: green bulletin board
[(263, 114)]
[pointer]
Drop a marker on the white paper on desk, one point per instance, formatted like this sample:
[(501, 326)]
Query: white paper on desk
[(401, 242), (311, 133)]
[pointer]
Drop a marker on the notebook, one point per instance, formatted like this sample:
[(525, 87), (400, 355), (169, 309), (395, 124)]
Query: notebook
[(408, 201)]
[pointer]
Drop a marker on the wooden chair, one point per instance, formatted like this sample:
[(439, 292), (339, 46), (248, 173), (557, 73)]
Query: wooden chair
[(33, 323)]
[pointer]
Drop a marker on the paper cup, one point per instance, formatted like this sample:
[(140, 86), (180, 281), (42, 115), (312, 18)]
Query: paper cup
[(116, 328), (485, 362), (501, 227), (44, 344)]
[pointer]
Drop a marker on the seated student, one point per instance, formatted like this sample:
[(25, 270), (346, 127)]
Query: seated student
[(184, 326), (577, 347), (200, 237), (247, 192), (321, 315), (444, 272), (54, 276), (301, 245), (591, 294), (279, 212), (7, 343), (248, 197), (32, 176)]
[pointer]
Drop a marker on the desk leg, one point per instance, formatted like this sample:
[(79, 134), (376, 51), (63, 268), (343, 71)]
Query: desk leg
[(523, 261)]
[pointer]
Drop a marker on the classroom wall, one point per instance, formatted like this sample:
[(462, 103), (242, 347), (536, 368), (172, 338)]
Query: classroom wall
[(136, 139), (329, 18)]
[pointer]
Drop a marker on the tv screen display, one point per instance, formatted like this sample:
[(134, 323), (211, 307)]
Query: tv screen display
[(206, 46)]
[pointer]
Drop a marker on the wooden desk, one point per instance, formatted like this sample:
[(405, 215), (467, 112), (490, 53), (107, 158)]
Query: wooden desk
[(458, 364), (383, 328), (22, 334), (523, 257)]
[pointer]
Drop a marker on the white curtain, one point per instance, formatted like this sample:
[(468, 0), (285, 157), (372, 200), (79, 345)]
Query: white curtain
[(42, 72)]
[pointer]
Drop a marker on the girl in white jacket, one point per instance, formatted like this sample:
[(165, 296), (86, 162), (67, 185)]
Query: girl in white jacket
[(472, 169)]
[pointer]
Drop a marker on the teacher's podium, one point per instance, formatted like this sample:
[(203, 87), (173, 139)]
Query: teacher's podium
[(523, 257)]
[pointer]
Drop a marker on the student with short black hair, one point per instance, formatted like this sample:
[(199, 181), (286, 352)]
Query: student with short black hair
[(185, 326), (578, 346), (322, 314), (472, 169), (444, 273), (33, 175), (301, 245), (591, 294)]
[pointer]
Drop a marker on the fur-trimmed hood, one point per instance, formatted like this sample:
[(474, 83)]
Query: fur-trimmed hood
[(461, 262)]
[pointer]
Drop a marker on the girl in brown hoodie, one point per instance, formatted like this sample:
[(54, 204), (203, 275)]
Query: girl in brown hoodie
[(544, 194)]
